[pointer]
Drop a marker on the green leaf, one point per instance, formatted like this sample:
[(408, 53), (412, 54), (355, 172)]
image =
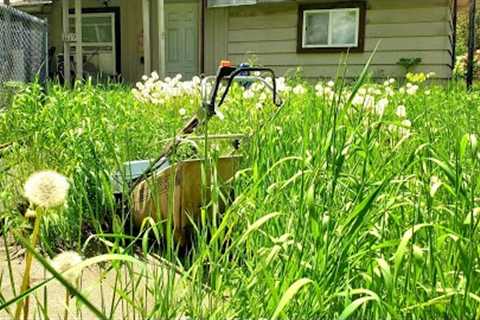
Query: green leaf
[(350, 309), (289, 294), (257, 224), (402, 247)]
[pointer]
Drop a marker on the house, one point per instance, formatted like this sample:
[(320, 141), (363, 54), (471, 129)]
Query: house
[(191, 36)]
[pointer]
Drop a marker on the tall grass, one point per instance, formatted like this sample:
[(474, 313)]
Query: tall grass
[(334, 214)]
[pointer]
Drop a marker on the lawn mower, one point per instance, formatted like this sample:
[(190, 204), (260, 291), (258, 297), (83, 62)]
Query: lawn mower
[(161, 189)]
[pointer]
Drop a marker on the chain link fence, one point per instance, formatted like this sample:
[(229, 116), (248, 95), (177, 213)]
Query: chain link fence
[(23, 51)]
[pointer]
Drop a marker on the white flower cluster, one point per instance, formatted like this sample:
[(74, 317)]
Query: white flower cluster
[(156, 91)]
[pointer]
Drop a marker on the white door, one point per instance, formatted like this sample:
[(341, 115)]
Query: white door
[(181, 26)]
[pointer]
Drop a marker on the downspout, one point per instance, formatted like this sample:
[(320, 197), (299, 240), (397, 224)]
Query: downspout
[(471, 43), (454, 36), (147, 54), (203, 14)]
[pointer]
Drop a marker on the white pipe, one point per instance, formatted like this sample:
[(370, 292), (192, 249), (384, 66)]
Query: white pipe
[(78, 35), (147, 54), (161, 37), (66, 44)]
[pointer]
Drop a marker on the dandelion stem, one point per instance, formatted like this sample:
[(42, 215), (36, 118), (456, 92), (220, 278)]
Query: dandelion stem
[(67, 301), (28, 266)]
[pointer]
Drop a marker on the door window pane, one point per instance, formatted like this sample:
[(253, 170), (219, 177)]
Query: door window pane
[(316, 28), (94, 28), (344, 27)]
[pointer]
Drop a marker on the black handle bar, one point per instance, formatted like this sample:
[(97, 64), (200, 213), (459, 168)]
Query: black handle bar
[(230, 73)]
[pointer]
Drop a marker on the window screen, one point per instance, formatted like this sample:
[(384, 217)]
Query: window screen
[(331, 28)]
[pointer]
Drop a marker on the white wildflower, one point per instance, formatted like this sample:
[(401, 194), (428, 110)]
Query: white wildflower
[(358, 100), (319, 90), (404, 130), (401, 111), (369, 102), (406, 123), (65, 261), (330, 84), (299, 90), (154, 75), (389, 91), (182, 111), (380, 106), (435, 184), (411, 89), (46, 189)]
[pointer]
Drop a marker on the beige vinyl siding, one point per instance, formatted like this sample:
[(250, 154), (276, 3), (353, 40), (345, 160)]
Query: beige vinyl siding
[(130, 31), (267, 34), (216, 38)]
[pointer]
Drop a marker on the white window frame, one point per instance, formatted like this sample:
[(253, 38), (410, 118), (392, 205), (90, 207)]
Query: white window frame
[(87, 45), (330, 28), (229, 3)]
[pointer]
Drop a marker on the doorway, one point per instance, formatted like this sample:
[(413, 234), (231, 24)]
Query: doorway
[(181, 45)]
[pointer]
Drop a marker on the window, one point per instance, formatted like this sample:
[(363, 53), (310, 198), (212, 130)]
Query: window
[(98, 42), (331, 27), (229, 3)]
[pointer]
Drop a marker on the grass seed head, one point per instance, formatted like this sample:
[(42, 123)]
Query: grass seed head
[(46, 189)]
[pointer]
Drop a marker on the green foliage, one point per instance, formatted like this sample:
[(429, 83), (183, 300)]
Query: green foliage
[(334, 214), (409, 63)]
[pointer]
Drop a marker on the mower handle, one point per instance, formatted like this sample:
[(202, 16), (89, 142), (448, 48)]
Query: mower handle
[(236, 74)]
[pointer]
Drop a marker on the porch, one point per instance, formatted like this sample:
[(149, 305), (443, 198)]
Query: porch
[(106, 39)]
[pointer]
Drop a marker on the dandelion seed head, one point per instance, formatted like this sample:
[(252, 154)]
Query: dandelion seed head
[(66, 261), (46, 189), (299, 90), (380, 106), (401, 111)]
